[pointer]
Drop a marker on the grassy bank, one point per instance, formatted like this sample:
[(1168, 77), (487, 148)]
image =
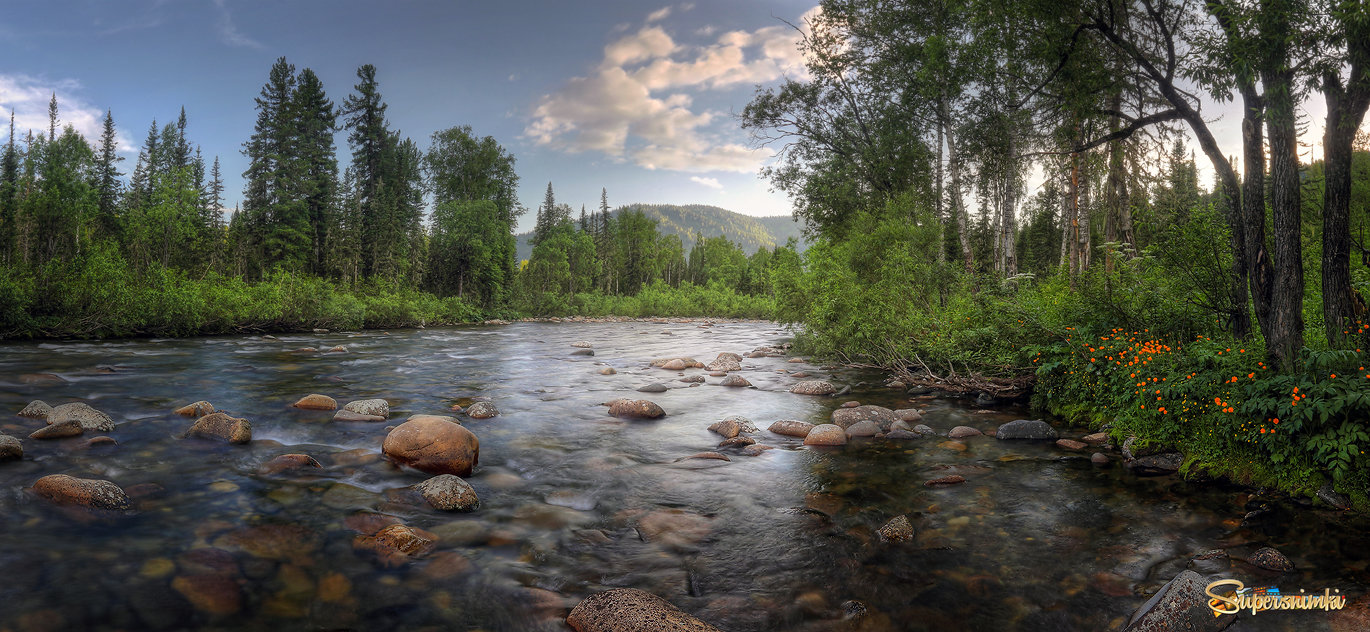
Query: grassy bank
[(83, 298)]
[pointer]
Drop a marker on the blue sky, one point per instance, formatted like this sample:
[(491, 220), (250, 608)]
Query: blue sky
[(637, 97)]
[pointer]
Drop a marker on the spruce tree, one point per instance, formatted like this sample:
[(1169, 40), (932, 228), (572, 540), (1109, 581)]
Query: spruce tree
[(107, 179), (315, 122), (371, 141), (9, 190)]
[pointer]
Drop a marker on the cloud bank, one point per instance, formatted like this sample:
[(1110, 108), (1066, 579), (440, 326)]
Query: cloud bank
[(639, 105)]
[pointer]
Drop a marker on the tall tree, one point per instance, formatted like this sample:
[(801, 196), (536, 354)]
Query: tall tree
[(372, 141), (107, 179), (318, 164), (1347, 101)]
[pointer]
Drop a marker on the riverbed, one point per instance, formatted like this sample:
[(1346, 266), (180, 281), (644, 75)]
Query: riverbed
[(574, 501)]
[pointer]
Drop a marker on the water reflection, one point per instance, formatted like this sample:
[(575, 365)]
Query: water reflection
[(574, 501)]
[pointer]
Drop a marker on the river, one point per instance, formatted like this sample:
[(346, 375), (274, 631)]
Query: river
[(1038, 538)]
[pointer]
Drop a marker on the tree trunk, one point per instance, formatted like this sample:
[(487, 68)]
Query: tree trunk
[(1254, 256), (958, 205), (1345, 110), (1007, 215), (1285, 338)]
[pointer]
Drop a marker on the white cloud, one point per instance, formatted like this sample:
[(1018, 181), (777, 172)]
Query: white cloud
[(712, 183), (28, 98), (638, 104), (229, 33), (658, 15)]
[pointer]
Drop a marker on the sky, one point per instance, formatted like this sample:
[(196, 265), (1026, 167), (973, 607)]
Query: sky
[(635, 97)]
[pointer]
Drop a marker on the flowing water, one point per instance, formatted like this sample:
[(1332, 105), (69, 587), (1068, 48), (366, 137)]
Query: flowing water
[(1036, 539)]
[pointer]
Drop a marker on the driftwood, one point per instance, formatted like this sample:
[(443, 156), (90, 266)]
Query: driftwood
[(1018, 384)]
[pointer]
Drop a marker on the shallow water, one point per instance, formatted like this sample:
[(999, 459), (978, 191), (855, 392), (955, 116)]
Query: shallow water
[(1037, 539)]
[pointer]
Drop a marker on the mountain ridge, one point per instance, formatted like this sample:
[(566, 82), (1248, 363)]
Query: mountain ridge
[(749, 232)]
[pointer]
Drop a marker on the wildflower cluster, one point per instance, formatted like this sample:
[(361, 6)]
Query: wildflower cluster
[(1216, 401)]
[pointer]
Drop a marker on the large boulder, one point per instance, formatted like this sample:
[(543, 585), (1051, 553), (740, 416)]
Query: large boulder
[(826, 434), (222, 427), (374, 407), (83, 492), (962, 432), (433, 445), (813, 387), (90, 419), (635, 408), (446, 492), (846, 417), (1026, 429), (37, 409), (1179, 606), (11, 448), (791, 428), (1156, 464), (674, 364), (632, 610), (1272, 560)]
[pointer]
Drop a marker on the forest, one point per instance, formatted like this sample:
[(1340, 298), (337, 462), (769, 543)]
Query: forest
[(1000, 189), (991, 190), (400, 236)]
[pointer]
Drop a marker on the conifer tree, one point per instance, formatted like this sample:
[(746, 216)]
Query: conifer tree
[(107, 179)]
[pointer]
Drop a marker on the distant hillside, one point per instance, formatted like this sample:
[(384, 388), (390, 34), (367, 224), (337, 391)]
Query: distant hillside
[(749, 232)]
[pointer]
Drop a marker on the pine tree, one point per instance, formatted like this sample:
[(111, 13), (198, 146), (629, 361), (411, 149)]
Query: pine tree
[(52, 119), (9, 196), (584, 222), (315, 123), (107, 180), (140, 188), (180, 156), (272, 200), (371, 140)]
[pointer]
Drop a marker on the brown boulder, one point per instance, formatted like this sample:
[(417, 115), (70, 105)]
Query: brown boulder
[(1070, 444), (397, 544), (813, 387), (347, 415), (222, 427), (60, 430), (89, 418), (632, 610), (211, 594), (674, 365), (826, 434), (315, 401), (756, 449), (286, 462), (91, 493), (961, 432), (196, 409), (863, 429), (1098, 438), (637, 408), (37, 409), (911, 415), (791, 428), (375, 407), (446, 492), (735, 380), (11, 448), (709, 456), (1272, 560), (429, 444), (736, 441), (897, 529), (673, 527), (845, 417)]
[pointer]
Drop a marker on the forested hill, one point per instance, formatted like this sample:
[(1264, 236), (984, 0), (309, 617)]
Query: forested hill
[(748, 232)]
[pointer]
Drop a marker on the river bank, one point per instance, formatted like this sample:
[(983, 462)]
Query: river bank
[(575, 502)]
